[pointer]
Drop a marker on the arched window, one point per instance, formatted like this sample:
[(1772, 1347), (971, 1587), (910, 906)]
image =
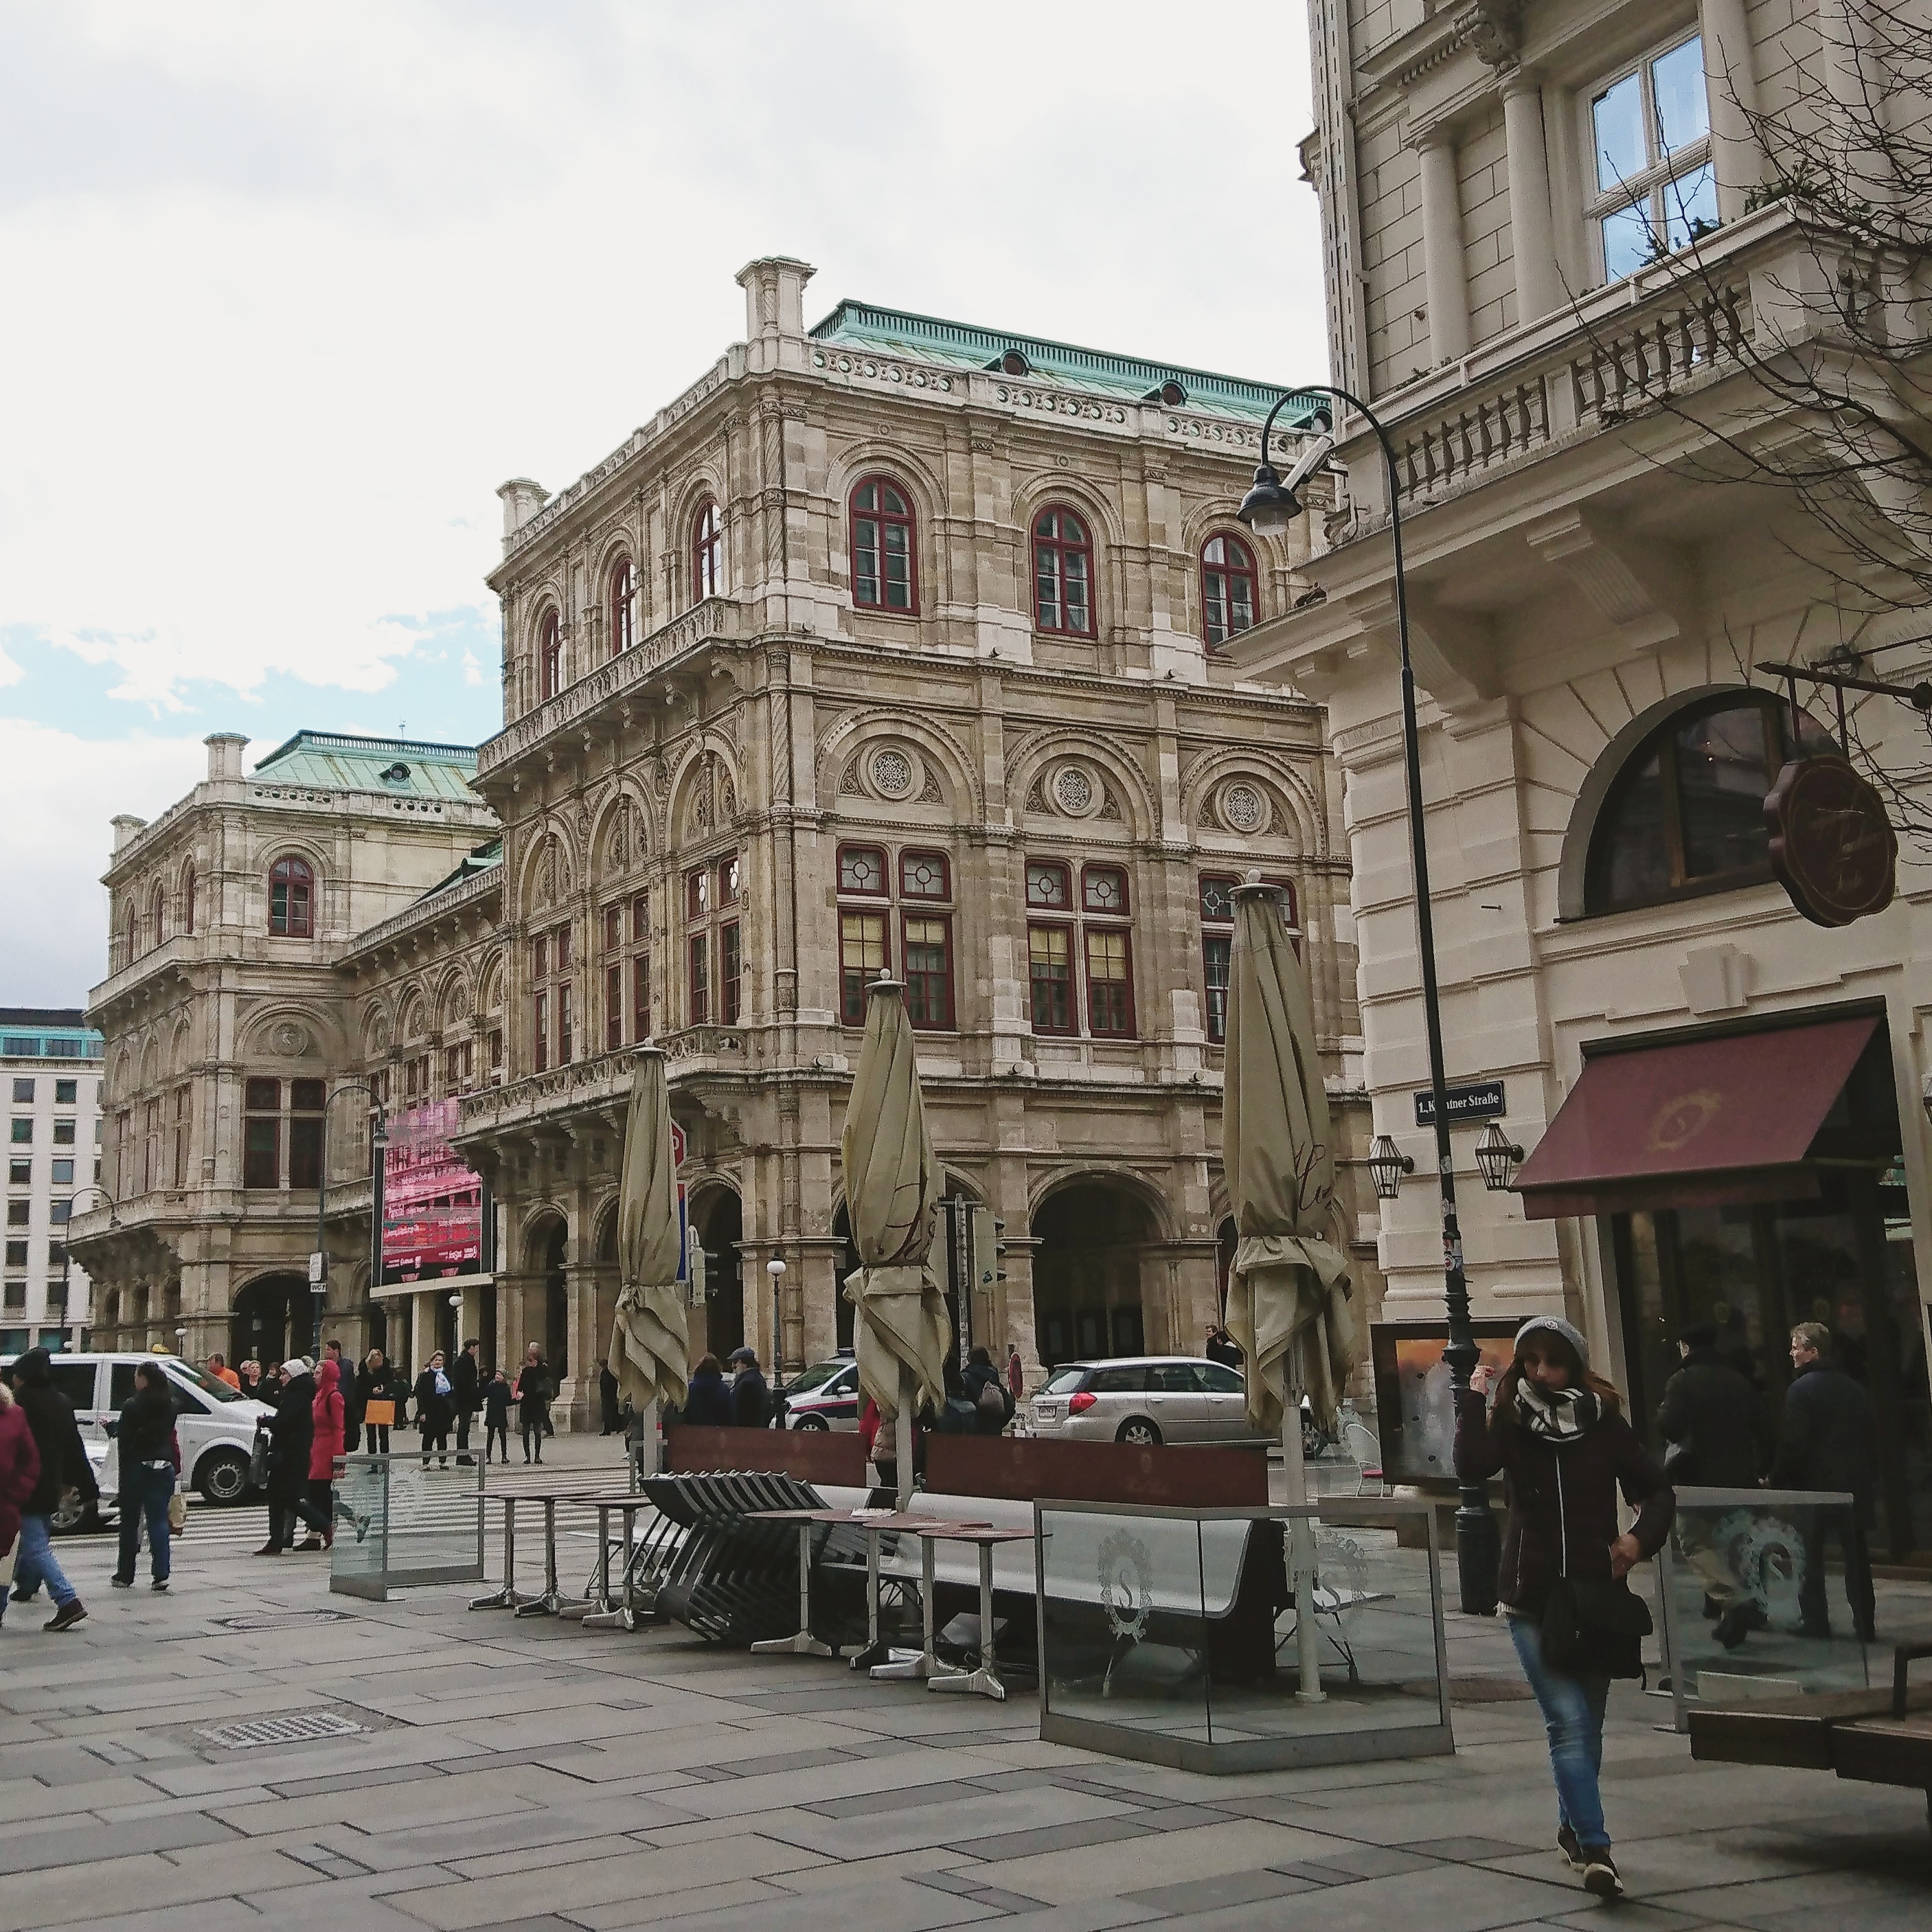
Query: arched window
[(157, 905), (1685, 814), (291, 899), (623, 632), (885, 574), (550, 656), (1062, 573), (1227, 588), (707, 553), (188, 900), (134, 932)]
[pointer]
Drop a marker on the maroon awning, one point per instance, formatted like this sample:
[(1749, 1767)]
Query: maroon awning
[(1696, 1123)]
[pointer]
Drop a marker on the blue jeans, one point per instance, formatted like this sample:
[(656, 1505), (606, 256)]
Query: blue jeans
[(38, 1564), (145, 1492), (1573, 1715)]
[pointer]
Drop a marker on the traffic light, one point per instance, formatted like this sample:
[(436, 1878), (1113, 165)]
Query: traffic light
[(697, 1285), (983, 1235)]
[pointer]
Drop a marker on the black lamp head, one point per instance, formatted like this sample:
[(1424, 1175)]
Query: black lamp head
[(1268, 508)]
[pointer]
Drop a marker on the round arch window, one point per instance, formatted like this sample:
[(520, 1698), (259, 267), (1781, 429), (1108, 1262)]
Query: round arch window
[(1686, 814)]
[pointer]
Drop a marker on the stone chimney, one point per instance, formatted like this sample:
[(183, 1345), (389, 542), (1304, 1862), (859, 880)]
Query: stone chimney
[(521, 500), (224, 754), (125, 826), (774, 287)]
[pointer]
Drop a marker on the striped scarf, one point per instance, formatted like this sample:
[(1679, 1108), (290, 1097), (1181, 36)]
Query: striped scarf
[(1557, 1415)]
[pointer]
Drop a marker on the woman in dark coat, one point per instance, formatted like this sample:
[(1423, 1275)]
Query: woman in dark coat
[(707, 1401), (291, 1440), (534, 1391), (144, 1438), (436, 1410), (64, 1465), (375, 1381), (1558, 1436)]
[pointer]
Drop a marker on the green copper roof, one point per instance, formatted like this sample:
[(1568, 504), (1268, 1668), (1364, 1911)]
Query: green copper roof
[(337, 760), (483, 858), (959, 345)]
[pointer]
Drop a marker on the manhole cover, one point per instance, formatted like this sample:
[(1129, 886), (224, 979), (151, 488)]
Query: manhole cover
[(269, 1620), (304, 1727)]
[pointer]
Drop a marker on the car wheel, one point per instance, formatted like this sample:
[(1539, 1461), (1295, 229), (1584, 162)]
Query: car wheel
[(817, 1424), (71, 1514), (1140, 1432), (223, 1478)]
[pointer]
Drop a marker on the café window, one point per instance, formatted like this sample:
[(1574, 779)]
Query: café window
[(1684, 814)]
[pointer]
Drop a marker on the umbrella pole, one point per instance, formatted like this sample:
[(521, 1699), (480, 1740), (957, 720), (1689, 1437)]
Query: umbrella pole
[(1301, 1544), (647, 1441), (902, 1437)]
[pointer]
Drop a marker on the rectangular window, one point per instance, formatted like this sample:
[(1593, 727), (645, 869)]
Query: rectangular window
[(181, 1104), (496, 1056), (563, 949), (640, 919), (640, 997), (20, 1173), (151, 1162), (613, 1008), (727, 880), (23, 1093), (540, 1031), (23, 1133), (730, 973), (260, 1096), (1049, 972), (305, 1152), (614, 928), (540, 956), (123, 1145), (66, 1093), (16, 1254), (862, 958), (64, 1133), (699, 956), (698, 893), (262, 1151), (862, 868), (1215, 948), (18, 1212), (928, 971), (1653, 190), (1046, 886), (924, 875), (566, 1043), (1110, 993), (1103, 889)]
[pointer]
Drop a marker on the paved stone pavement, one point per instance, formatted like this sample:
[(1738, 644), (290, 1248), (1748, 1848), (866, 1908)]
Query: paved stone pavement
[(527, 1774)]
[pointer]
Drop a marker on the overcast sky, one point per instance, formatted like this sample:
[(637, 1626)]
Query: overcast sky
[(289, 290)]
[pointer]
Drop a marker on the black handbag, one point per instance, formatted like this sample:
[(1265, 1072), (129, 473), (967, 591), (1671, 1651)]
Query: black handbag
[(1592, 1626)]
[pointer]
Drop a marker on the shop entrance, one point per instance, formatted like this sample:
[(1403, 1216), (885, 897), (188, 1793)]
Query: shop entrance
[(1087, 1272), (719, 1218), (271, 1317)]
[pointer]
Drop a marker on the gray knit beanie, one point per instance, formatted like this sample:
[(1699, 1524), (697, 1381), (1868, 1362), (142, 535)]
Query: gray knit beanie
[(1557, 1325)]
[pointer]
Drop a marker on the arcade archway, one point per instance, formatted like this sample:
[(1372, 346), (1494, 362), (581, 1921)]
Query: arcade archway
[(719, 1218), (1093, 1236), (271, 1318)]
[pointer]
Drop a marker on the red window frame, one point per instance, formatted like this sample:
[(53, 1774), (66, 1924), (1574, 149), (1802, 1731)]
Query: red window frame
[(730, 972), (549, 656), (727, 880), (698, 965), (1070, 1023), (1064, 904), (623, 617), (889, 509), (882, 889), (641, 919), (909, 891), (1222, 581), (540, 1016), (853, 978), (614, 928), (1117, 1021), (565, 1040), (291, 898), (928, 994), (613, 1008), (697, 893), (1121, 911), (707, 552), (1062, 564)]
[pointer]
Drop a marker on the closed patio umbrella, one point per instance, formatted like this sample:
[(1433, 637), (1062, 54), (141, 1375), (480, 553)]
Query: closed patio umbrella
[(892, 1198), (1288, 1287), (647, 1336)]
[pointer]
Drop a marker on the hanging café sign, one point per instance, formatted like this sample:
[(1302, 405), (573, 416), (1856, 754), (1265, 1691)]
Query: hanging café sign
[(1832, 846)]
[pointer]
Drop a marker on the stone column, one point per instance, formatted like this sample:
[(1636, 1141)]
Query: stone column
[(813, 1260), (1539, 289), (1442, 260), (1730, 82), (577, 1393)]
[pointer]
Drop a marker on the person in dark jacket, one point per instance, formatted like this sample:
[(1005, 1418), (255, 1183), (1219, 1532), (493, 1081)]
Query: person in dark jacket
[(1221, 1347), (707, 1401), (534, 1391), (466, 1382), (64, 1465), (1719, 1437), (1829, 1440), (1558, 1436), (436, 1408), (291, 1440), (375, 1381), (19, 1471), (345, 1386), (497, 1396), (751, 1396), (989, 1416), (145, 1439), (607, 1399)]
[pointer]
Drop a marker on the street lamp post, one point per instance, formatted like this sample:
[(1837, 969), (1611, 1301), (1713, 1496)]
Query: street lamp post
[(1267, 509), (318, 1266), (776, 1269), (67, 1244)]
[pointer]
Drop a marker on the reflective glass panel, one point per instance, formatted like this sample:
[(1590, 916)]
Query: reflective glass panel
[(1721, 782), (1616, 117), (1690, 206), (1683, 109), (1626, 240)]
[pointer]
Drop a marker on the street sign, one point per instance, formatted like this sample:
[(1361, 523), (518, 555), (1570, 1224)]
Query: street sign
[(315, 1269), (677, 1144), (1476, 1100)]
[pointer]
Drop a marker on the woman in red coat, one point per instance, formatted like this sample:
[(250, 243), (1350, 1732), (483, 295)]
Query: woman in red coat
[(19, 1471), (325, 1448)]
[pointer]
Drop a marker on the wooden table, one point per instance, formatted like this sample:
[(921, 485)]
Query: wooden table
[(985, 1682), (509, 1597), (929, 1532), (803, 1643)]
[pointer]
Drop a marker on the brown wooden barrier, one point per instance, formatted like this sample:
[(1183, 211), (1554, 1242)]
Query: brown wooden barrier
[(831, 1456), (1020, 1468)]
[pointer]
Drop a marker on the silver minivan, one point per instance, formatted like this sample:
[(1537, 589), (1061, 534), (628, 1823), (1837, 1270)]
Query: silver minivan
[(215, 1425)]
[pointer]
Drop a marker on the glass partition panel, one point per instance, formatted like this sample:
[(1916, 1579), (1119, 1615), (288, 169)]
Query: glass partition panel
[(1757, 1587), (358, 1558), (401, 1521), (1123, 1639)]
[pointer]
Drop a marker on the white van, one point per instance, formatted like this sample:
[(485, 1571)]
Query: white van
[(214, 1424)]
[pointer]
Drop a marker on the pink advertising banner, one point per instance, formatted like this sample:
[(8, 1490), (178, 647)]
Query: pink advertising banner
[(432, 1203)]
